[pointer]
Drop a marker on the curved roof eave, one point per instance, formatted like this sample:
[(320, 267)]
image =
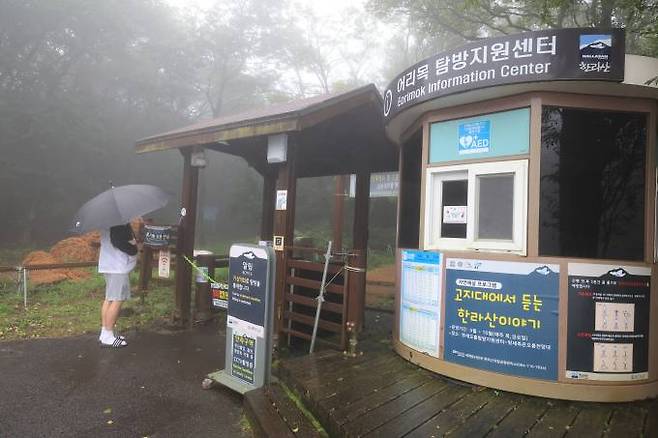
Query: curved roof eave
[(638, 70)]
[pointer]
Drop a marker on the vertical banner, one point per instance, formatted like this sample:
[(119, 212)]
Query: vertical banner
[(249, 318), (164, 263), (420, 300), (502, 316), (608, 323)]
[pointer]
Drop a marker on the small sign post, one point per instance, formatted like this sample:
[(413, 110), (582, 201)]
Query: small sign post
[(248, 356)]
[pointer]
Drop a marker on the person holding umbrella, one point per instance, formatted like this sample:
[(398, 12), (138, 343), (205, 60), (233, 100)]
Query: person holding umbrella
[(116, 259), (110, 212)]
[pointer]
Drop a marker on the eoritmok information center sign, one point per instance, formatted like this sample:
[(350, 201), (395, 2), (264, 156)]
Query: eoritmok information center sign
[(548, 55)]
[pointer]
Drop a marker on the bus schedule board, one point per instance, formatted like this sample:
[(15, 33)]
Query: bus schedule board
[(249, 318), (502, 316)]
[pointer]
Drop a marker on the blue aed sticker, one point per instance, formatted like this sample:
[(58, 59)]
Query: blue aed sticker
[(474, 137)]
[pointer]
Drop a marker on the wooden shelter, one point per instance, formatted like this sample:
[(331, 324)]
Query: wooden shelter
[(334, 134)]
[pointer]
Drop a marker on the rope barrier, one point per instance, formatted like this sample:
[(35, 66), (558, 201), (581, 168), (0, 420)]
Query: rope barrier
[(203, 273)]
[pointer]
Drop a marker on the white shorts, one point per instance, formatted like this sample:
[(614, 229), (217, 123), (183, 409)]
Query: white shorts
[(117, 287)]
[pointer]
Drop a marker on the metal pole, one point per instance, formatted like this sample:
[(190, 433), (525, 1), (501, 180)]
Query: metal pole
[(25, 288), (320, 298)]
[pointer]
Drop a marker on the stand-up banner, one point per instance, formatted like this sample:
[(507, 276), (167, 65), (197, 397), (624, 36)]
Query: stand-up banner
[(556, 54), (249, 318)]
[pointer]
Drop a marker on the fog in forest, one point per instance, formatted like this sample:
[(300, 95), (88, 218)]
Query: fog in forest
[(81, 81)]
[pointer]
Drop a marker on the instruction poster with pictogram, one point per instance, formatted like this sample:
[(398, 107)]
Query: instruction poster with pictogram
[(608, 323)]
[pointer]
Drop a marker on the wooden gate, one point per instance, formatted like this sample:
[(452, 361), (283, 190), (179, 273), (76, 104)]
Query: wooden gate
[(302, 287)]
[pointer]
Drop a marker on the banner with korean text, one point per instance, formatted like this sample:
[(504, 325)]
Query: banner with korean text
[(502, 316)]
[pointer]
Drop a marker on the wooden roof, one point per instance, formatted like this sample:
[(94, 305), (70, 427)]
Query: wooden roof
[(333, 134)]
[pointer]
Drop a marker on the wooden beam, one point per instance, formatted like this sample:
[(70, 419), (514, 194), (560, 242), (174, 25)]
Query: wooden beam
[(267, 211), (284, 225), (185, 243), (339, 208), (357, 283)]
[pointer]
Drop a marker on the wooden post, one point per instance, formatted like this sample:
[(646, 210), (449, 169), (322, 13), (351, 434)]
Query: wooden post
[(284, 225), (357, 283), (267, 211), (185, 243), (339, 208), (146, 265)]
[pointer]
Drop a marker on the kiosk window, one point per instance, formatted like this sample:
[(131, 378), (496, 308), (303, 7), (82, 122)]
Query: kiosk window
[(592, 184), (477, 206), (495, 206)]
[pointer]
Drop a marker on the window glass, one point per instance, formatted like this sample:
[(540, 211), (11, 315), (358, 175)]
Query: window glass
[(495, 212), (592, 184), (455, 195)]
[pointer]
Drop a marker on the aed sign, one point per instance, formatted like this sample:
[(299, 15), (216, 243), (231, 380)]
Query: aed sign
[(474, 137)]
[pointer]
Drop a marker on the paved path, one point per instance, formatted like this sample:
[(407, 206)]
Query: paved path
[(152, 388)]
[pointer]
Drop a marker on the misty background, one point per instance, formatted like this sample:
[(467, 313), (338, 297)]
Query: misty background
[(81, 81)]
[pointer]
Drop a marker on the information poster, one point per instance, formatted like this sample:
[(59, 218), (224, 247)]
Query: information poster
[(219, 295), (247, 281), (243, 358), (608, 323), (420, 300), (502, 316)]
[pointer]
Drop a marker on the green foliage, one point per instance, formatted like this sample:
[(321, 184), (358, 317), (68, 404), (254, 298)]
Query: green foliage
[(433, 26), (73, 308)]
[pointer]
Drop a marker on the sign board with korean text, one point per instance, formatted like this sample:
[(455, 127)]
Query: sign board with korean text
[(382, 185), (249, 318), (158, 236), (420, 300), (502, 316), (546, 55), (281, 200), (164, 263), (219, 293), (500, 134), (474, 137), (608, 322)]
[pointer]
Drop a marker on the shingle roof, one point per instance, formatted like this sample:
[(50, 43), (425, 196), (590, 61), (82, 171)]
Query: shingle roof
[(273, 113)]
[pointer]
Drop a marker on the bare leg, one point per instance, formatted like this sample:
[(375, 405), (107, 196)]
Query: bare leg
[(104, 307), (112, 314)]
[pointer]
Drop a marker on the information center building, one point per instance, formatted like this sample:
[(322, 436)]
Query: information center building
[(527, 215)]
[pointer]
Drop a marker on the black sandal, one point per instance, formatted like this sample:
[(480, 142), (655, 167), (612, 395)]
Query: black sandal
[(117, 343)]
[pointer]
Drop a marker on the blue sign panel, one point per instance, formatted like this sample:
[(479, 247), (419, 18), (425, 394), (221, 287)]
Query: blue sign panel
[(487, 136), (502, 316), (474, 137)]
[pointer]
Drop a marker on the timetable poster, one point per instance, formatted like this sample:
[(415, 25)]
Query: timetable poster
[(502, 316), (608, 323), (420, 301)]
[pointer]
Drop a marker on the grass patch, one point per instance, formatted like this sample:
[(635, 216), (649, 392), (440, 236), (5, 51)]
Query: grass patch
[(73, 308), (292, 395)]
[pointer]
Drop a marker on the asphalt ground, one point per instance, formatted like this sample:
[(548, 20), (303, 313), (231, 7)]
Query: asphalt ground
[(70, 387)]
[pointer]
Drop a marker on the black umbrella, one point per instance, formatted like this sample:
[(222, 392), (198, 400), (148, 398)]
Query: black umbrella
[(118, 205)]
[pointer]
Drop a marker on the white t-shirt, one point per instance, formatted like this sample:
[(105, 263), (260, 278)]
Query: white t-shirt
[(111, 259)]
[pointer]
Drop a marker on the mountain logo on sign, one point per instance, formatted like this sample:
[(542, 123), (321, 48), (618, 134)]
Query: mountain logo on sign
[(544, 270), (619, 273), (595, 47)]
